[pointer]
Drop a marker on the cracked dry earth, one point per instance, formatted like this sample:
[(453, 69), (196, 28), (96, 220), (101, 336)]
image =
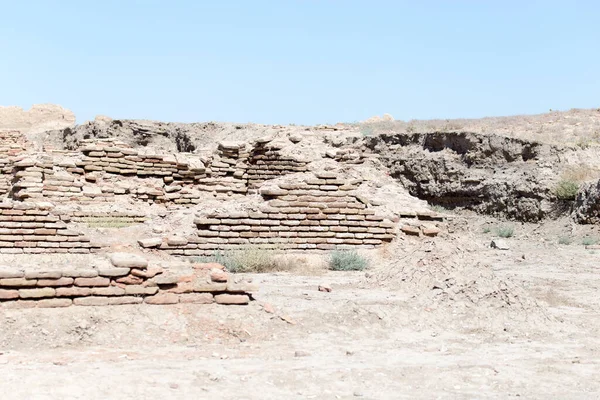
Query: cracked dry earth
[(361, 340)]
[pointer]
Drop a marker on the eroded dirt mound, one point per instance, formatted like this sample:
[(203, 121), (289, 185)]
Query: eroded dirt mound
[(486, 173), (444, 277)]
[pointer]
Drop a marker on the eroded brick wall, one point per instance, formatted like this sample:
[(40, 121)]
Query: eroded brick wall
[(322, 213), (128, 281), (32, 228)]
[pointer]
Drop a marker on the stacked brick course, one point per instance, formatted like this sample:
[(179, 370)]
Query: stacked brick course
[(32, 228), (128, 281), (126, 161), (322, 213)]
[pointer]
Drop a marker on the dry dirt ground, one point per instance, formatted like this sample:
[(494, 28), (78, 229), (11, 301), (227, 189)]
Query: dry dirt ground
[(527, 325)]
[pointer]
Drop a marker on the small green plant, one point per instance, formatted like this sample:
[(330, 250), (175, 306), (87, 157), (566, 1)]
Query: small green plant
[(584, 143), (249, 259), (438, 209), (347, 260), (566, 189), (487, 229), (589, 241), (366, 130), (505, 231), (566, 240)]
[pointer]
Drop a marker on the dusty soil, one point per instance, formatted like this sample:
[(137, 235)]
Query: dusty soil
[(522, 322)]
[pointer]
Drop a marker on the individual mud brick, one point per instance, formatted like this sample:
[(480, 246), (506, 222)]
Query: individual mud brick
[(54, 303), (91, 301), (218, 275), (7, 272), (36, 293), (73, 291), (9, 294), (326, 175), (139, 290), (239, 299), (409, 230), (108, 291), (123, 300), (19, 304), (17, 282), (150, 242), (64, 281), (128, 260), (147, 273), (431, 231), (199, 286), (113, 272), (177, 241), (130, 280), (196, 298), (92, 282), (44, 231), (165, 279), (162, 298), (43, 274)]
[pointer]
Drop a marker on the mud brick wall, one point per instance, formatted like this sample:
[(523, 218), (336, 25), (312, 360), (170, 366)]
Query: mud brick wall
[(348, 156), (12, 143), (6, 175), (130, 162), (128, 281), (266, 162), (32, 228), (319, 214)]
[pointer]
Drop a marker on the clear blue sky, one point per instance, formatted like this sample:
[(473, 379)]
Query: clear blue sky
[(300, 61)]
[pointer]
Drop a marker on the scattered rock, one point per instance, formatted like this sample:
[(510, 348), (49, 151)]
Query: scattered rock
[(325, 287), (268, 308), (301, 353), (499, 244)]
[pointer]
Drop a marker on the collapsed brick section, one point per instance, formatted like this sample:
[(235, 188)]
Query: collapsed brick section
[(5, 175), (266, 162), (32, 228), (322, 213), (12, 143), (228, 169), (128, 281)]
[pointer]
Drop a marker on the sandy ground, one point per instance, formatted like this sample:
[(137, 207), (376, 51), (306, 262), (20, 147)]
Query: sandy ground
[(365, 339)]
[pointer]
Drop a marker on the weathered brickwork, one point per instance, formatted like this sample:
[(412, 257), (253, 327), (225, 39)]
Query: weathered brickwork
[(32, 228), (322, 213), (129, 280)]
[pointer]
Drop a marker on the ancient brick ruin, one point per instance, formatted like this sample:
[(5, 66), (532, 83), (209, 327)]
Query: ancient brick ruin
[(128, 280), (238, 195)]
